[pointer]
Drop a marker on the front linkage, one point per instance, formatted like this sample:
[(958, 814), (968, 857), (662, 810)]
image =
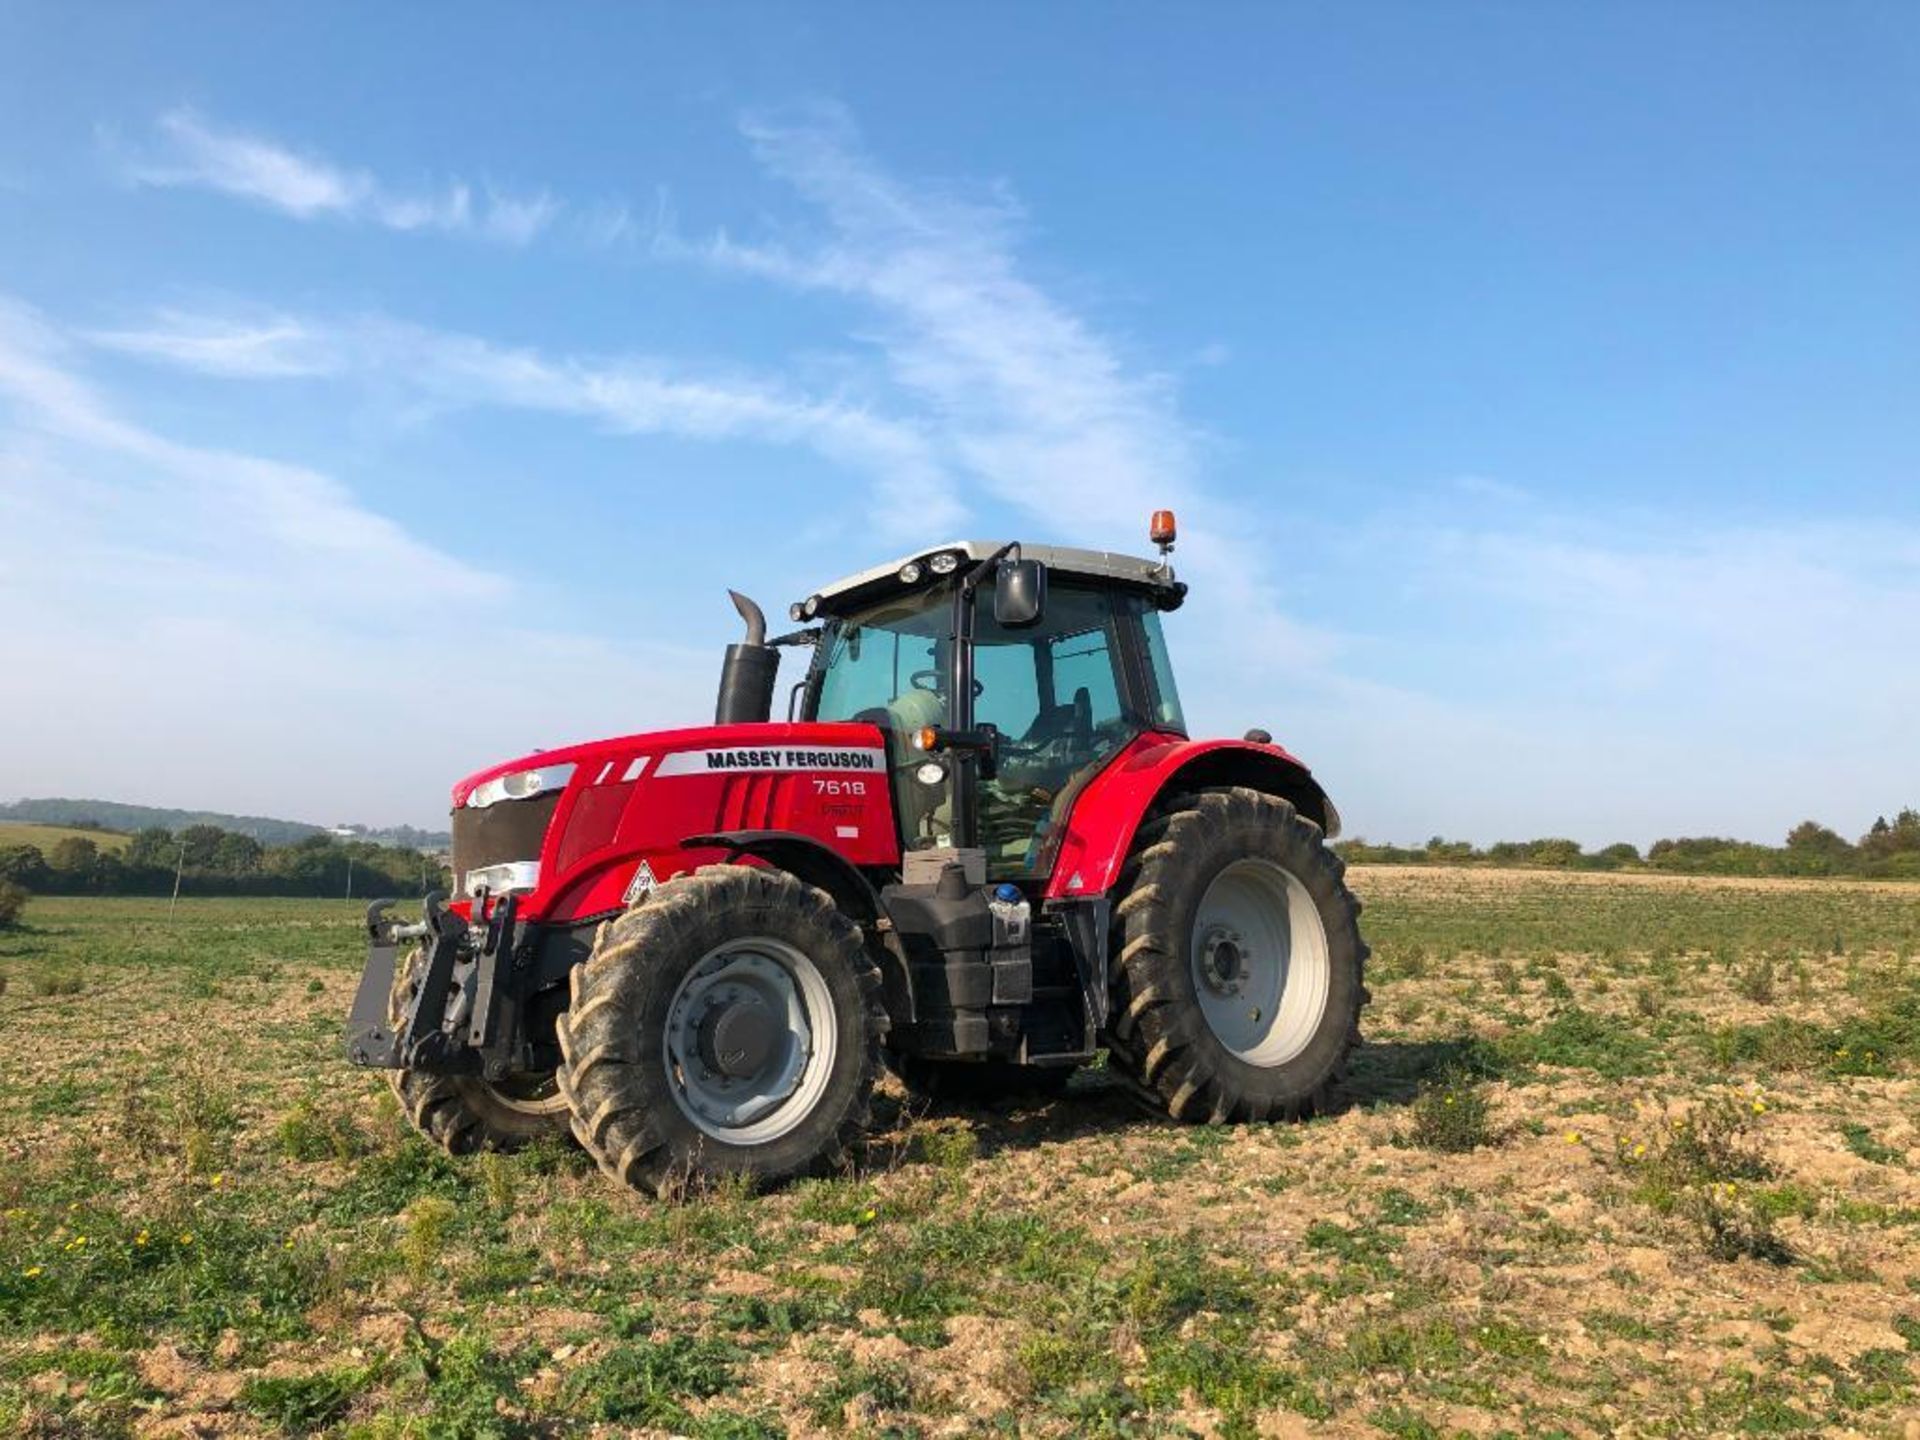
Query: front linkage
[(461, 1007)]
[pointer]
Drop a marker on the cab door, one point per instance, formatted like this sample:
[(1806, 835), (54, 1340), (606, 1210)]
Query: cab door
[(1056, 693)]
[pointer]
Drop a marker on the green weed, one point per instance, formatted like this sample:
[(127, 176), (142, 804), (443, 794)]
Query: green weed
[(423, 1235), (305, 1403), (310, 1132), (1452, 1115), (646, 1382), (1861, 1142)]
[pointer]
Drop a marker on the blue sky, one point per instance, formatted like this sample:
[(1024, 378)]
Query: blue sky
[(382, 395)]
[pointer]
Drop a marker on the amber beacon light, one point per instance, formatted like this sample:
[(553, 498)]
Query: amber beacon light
[(1163, 530)]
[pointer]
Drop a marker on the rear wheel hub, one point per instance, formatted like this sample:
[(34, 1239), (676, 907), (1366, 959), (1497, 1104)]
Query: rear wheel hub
[(1223, 961)]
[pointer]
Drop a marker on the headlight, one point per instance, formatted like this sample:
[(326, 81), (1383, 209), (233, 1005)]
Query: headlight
[(516, 877), (945, 563), (910, 572), (521, 785)]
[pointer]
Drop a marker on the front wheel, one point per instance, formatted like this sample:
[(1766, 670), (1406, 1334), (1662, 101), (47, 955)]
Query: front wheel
[(728, 1026), (464, 1113), (1240, 977)]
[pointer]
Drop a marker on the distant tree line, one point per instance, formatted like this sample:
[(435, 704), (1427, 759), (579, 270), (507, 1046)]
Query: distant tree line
[(1889, 850), (126, 819), (212, 861)]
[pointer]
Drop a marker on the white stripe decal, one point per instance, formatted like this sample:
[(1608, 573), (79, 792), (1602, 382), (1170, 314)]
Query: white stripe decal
[(842, 758), (605, 770), (634, 769), (846, 832)]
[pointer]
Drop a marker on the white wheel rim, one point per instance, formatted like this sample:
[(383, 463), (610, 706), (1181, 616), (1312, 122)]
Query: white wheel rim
[(1259, 960), (529, 1095), (763, 1106)]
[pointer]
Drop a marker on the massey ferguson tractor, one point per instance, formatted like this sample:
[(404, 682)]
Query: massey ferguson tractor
[(980, 849)]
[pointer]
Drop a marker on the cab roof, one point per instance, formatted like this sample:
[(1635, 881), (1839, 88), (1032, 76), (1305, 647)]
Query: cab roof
[(1059, 559)]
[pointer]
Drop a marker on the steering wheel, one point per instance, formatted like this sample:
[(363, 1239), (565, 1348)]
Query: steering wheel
[(929, 680)]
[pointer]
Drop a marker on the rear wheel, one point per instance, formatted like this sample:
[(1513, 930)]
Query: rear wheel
[(1240, 978), (464, 1113), (730, 1025)]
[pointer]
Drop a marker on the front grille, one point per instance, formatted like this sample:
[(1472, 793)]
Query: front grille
[(505, 830)]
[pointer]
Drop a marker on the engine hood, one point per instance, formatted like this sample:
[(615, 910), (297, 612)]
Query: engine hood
[(630, 804), (592, 757)]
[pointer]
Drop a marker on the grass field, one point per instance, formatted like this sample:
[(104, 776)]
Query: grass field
[(21, 832), (1621, 1156)]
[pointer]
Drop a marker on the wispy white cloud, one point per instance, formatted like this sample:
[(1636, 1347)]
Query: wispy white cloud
[(282, 514), (516, 220), (1611, 676), (1769, 614), (633, 395), (202, 626), (264, 346), (1035, 406), (193, 152), (1042, 408)]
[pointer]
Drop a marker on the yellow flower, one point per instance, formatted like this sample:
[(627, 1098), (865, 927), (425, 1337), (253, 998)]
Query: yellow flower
[(1759, 1107), (215, 1182), (1573, 1137), (186, 1237), (78, 1242), (1638, 1151), (141, 1238), (33, 1272)]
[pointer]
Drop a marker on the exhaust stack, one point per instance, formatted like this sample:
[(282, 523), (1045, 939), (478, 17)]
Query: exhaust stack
[(748, 672)]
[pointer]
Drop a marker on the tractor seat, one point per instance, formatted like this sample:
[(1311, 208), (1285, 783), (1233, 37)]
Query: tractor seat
[(1072, 721)]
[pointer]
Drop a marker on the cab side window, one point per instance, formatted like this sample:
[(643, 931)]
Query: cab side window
[(1084, 662), (1008, 694)]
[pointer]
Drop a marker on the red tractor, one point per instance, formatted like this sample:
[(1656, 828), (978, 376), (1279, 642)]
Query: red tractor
[(980, 849)]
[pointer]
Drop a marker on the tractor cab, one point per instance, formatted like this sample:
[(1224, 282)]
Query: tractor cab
[(1003, 677)]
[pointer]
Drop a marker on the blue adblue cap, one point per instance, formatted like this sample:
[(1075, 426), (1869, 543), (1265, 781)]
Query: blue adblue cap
[(1006, 892)]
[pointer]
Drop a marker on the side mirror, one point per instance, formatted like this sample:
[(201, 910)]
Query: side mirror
[(1019, 593)]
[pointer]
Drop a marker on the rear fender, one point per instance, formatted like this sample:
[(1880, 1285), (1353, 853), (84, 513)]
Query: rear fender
[(1100, 830)]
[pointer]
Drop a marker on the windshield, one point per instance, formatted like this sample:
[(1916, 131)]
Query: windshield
[(869, 660)]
